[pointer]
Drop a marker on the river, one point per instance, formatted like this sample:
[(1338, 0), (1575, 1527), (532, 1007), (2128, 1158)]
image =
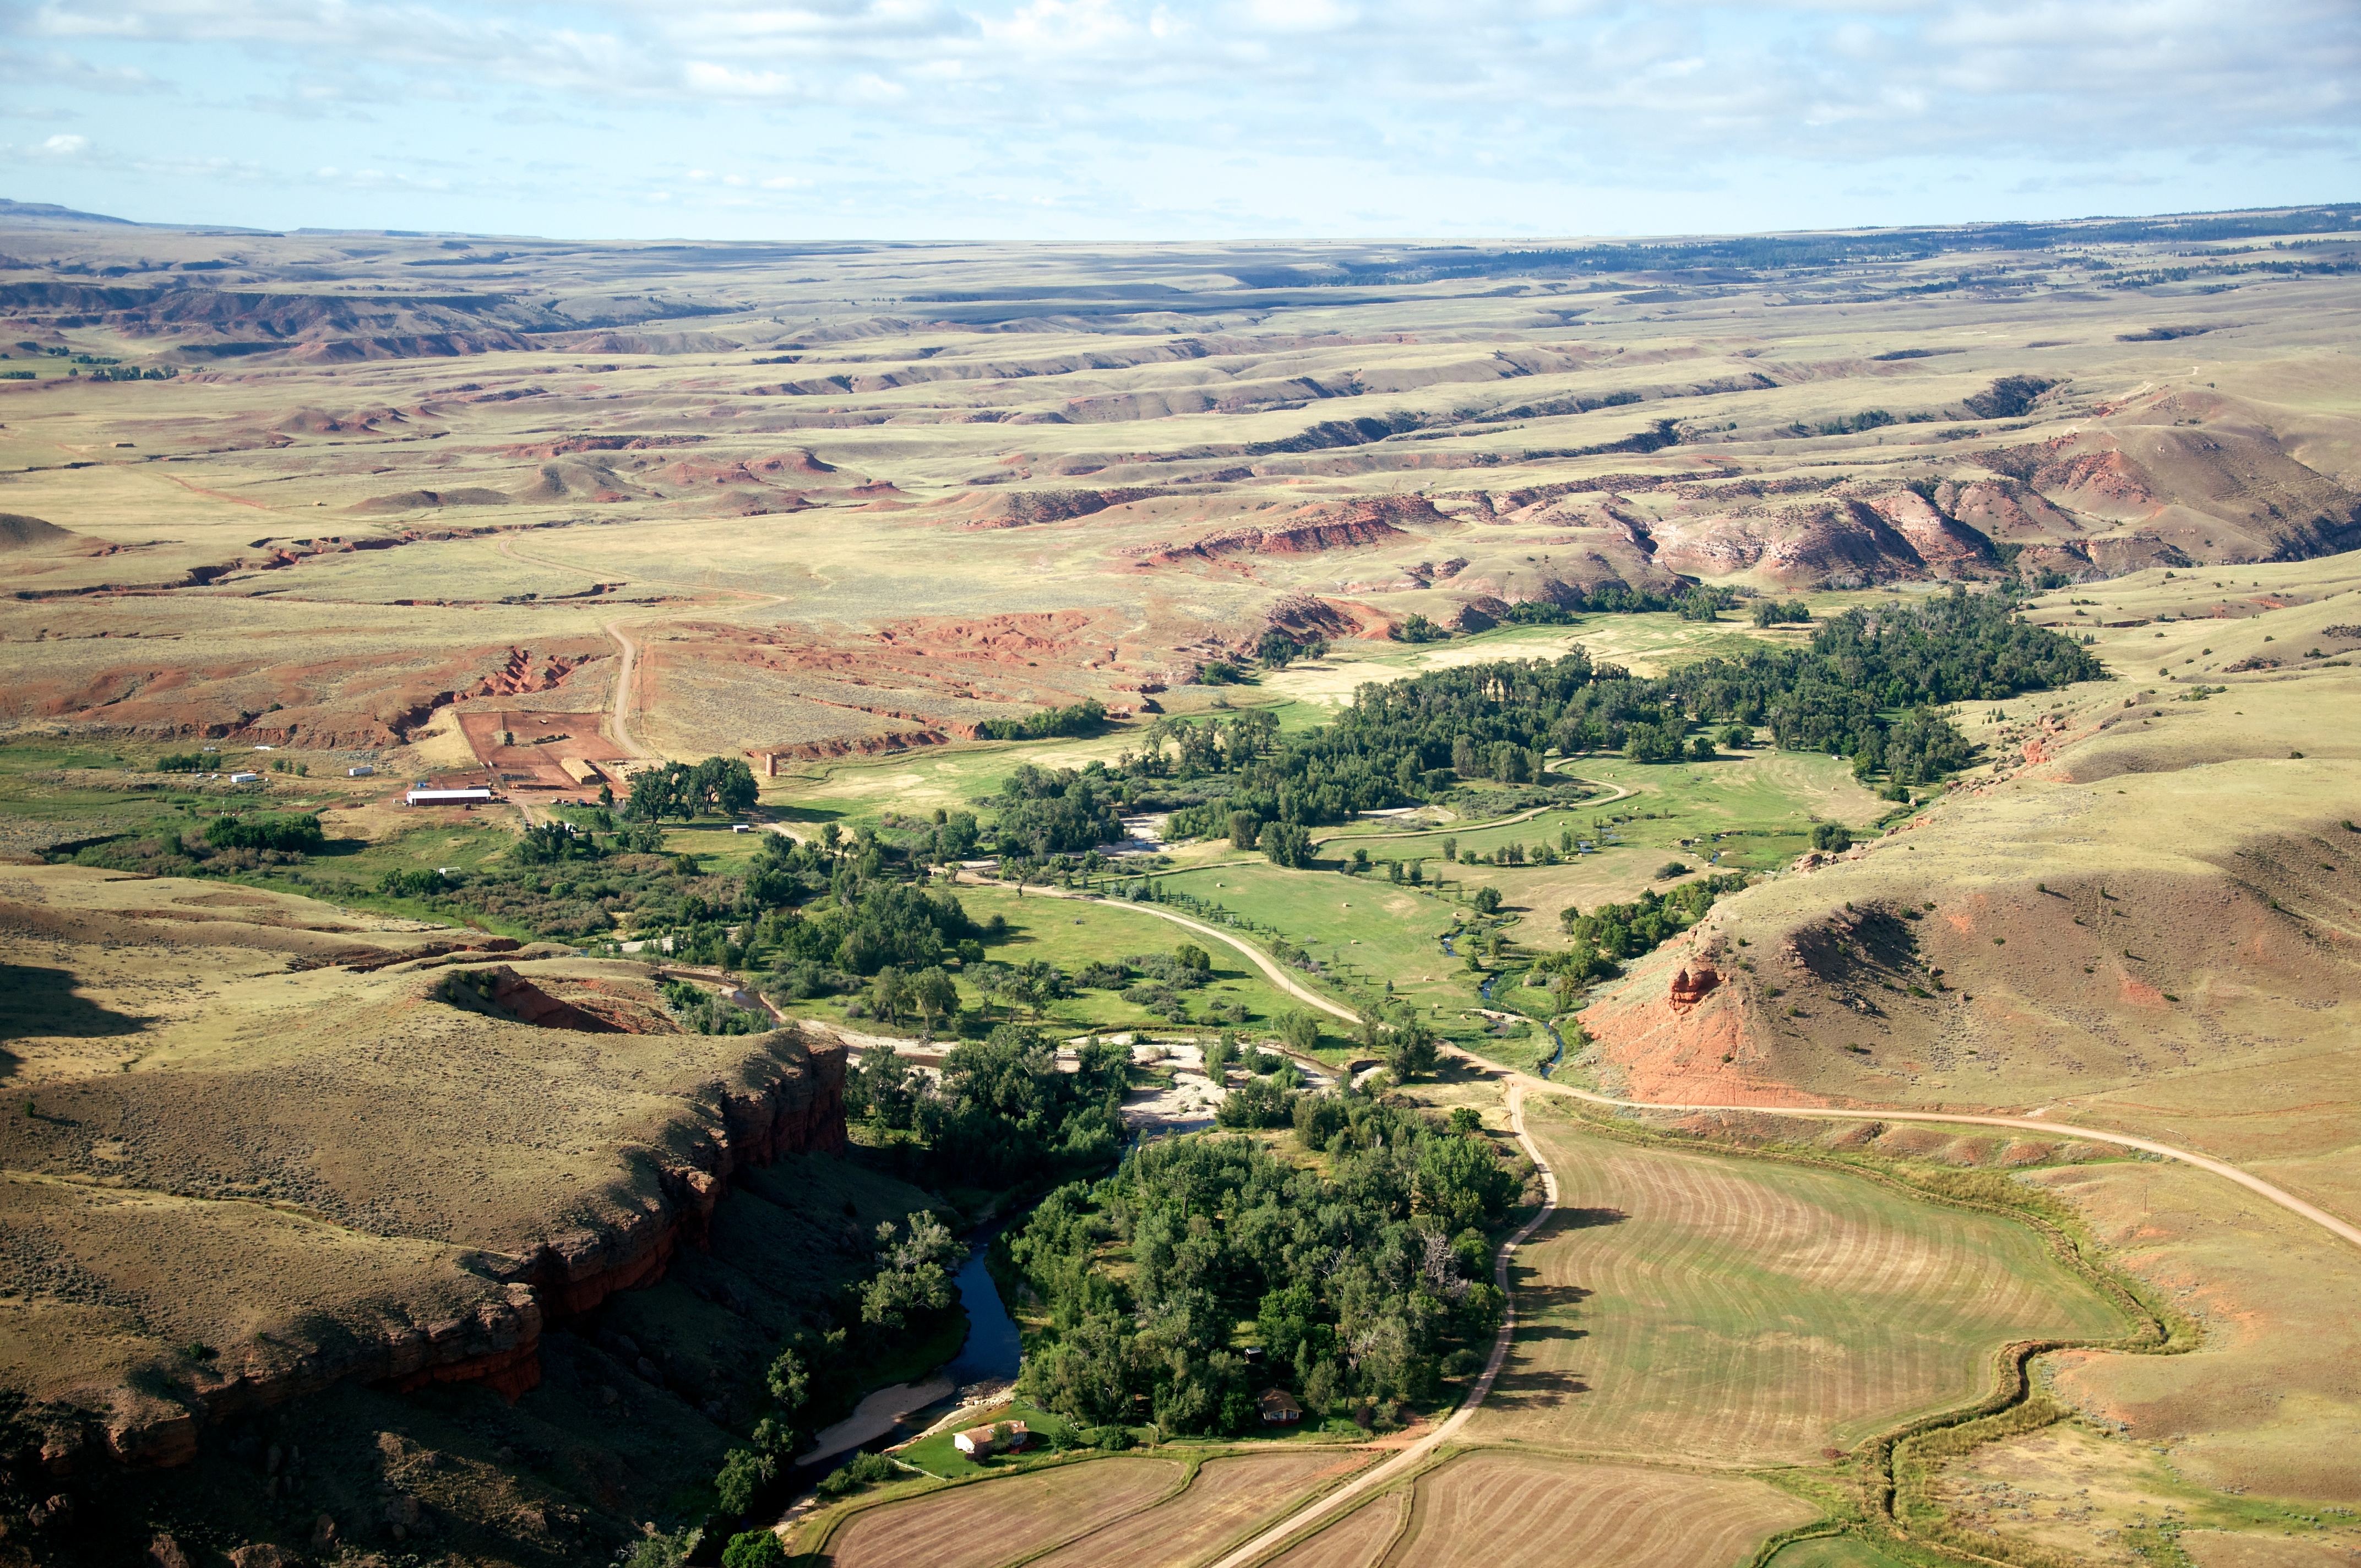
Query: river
[(993, 1350)]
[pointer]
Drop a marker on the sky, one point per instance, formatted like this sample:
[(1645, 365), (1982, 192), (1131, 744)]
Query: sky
[(1111, 120)]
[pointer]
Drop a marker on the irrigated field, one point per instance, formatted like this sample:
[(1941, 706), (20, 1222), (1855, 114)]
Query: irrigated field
[(1227, 1500), (987, 1523), (1727, 1311), (1513, 1510)]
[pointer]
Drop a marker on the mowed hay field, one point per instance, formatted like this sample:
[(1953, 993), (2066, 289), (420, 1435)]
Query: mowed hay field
[(1357, 1540), (1514, 1511), (987, 1523), (1729, 1311), (1228, 1499)]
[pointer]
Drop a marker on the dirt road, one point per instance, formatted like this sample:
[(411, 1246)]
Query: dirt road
[(624, 690)]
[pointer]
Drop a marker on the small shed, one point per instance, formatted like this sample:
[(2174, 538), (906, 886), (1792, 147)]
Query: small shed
[(1279, 1408), (994, 1439)]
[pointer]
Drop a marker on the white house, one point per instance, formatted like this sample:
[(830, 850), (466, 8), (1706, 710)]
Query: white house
[(991, 1438)]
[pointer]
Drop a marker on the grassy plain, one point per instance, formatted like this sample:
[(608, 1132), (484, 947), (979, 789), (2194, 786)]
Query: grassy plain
[(1712, 1310)]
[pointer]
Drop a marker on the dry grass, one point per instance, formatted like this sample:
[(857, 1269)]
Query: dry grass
[(2265, 1404), (1511, 1510), (1736, 1312), (987, 1523)]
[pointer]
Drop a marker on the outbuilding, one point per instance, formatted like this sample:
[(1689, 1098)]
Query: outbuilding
[(475, 796), (363, 772), (1279, 1408)]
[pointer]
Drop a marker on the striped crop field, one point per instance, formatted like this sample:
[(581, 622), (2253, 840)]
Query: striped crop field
[(1716, 1310), (1358, 1540), (1491, 1509), (1226, 1500), (987, 1523)]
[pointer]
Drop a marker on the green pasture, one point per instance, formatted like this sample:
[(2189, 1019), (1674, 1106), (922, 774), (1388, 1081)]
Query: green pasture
[(1362, 927)]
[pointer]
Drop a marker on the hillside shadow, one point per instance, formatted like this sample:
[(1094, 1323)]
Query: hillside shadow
[(41, 1002)]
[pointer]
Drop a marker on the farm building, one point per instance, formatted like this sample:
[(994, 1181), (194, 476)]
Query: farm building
[(578, 770), (244, 778), (992, 1439), (1279, 1408), (447, 797), (363, 772)]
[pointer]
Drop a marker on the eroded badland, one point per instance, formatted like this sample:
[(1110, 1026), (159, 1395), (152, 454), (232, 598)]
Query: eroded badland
[(380, 1191)]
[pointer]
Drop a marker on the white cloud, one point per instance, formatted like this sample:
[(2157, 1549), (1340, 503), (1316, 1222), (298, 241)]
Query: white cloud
[(1660, 100)]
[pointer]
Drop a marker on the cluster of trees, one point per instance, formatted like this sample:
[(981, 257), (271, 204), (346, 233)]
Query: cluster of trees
[(722, 786), (1062, 812), (701, 1012), (287, 833), (1615, 931), (1409, 740), (863, 927), (1083, 718), (1002, 1110), (1365, 1286), (1781, 613)]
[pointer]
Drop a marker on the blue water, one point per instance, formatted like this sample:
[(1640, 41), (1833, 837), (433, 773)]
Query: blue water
[(992, 1350)]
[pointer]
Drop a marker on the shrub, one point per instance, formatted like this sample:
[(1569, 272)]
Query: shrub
[(1832, 838)]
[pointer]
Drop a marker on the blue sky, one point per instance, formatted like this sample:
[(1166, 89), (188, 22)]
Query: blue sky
[(1124, 119)]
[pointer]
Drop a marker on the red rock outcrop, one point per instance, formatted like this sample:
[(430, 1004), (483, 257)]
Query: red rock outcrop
[(1690, 986)]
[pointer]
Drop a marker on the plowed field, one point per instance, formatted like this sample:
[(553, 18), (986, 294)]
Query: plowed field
[(1738, 1312), (992, 1523), (1357, 1540), (1511, 1510)]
